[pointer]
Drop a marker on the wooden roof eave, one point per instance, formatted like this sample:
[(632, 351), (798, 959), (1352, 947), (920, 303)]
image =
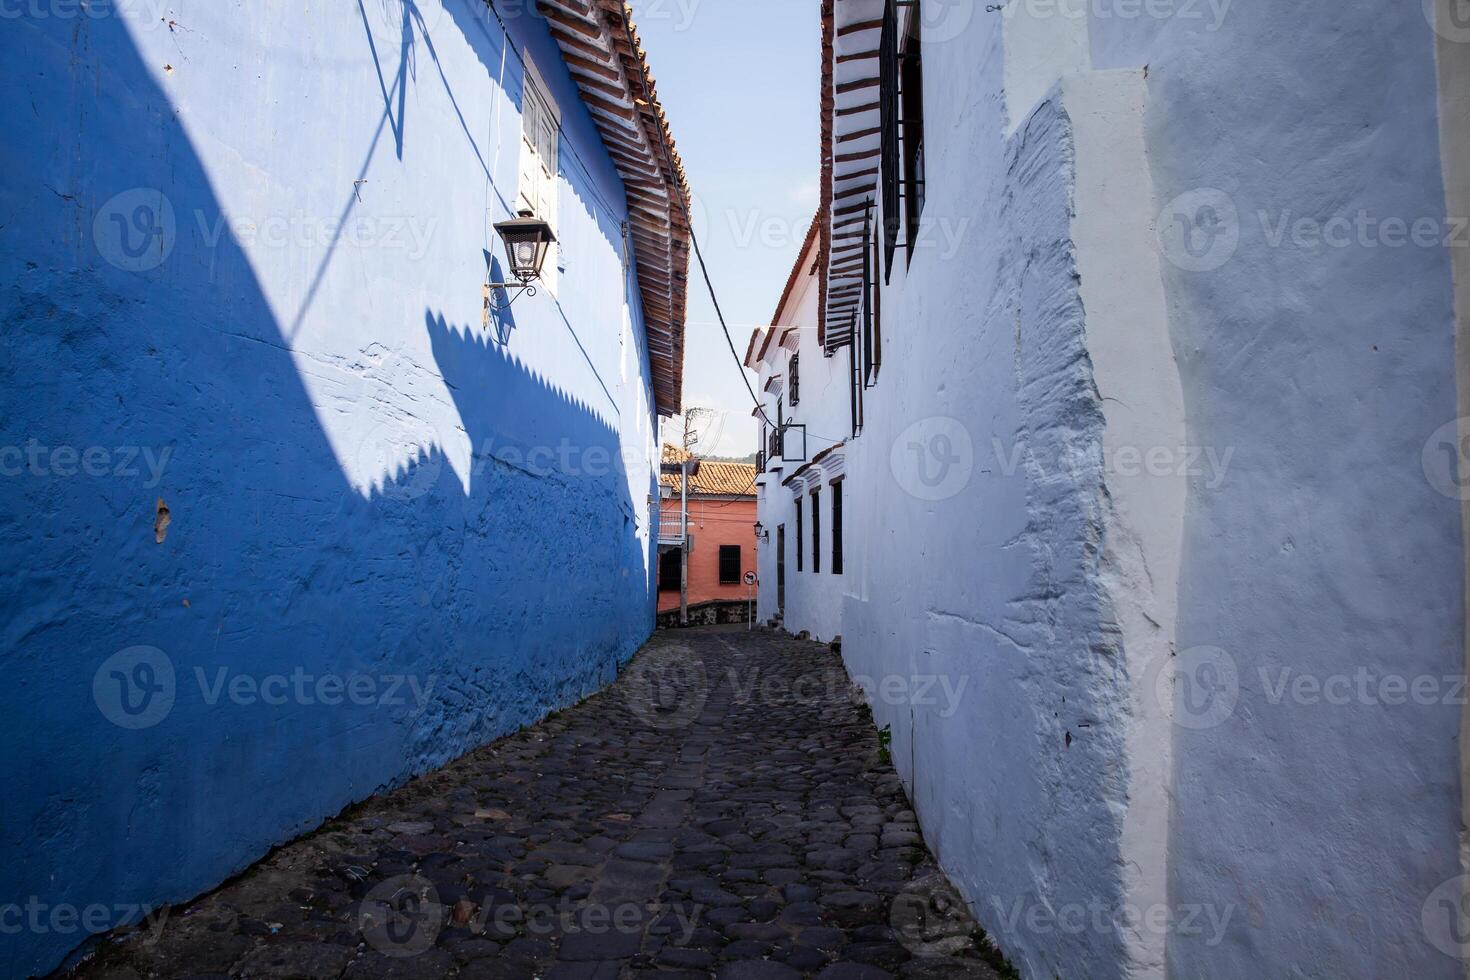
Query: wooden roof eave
[(600, 46)]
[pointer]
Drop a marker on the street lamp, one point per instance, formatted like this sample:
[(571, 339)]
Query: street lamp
[(528, 240)]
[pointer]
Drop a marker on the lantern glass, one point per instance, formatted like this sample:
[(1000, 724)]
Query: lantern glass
[(527, 256), (527, 242)]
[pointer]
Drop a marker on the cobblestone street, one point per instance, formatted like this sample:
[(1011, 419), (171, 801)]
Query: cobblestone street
[(725, 809)]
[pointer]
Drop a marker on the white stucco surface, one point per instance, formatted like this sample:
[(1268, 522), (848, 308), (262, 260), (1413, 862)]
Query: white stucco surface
[(1137, 458), (1138, 390), (1453, 60), (1041, 47), (813, 598)]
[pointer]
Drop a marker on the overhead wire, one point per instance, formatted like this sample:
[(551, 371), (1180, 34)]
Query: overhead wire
[(678, 196), (693, 236)]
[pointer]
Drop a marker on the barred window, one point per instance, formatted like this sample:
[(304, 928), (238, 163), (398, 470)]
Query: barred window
[(873, 309), (730, 564), (799, 537), (911, 91), (837, 528), (888, 112), (816, 530), (901, 110)]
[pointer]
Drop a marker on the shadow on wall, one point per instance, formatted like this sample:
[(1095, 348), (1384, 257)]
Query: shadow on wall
[(212, 639)]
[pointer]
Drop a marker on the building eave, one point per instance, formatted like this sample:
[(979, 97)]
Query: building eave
[(807, 260), (600, 46), (824, 247), (851, 122), (752, 357), (799, 269)]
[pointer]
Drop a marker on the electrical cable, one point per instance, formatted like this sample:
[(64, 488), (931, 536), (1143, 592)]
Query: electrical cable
[(694, 238), (567, 137), (678, 196)]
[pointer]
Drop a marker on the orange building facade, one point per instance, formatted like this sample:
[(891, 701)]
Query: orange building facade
[(721, 542)]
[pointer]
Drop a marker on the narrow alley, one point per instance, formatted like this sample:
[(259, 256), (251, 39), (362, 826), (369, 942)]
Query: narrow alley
[(724, 809), (735, 489)]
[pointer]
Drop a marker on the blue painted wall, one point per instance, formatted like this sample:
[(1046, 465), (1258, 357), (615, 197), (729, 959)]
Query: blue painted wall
[(364, 487)]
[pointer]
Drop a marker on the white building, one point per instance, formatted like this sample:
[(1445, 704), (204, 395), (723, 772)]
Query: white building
[(1142, 412), (802, 494)]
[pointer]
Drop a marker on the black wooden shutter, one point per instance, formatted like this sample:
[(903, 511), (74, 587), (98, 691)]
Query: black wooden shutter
[(888, 100)]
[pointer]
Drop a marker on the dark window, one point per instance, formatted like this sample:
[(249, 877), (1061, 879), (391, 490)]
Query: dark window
[(854, 389), (816, 530), (901, 110), (795, 393), (861, 363), (873, 306), (799, 537), (730, 564), (780, 569), (837, 529), (777, 446), (670, 572), (865, 336), (888, 111), (911, 86)]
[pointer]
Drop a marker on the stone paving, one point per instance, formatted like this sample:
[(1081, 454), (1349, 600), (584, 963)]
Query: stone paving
[(724, 810)]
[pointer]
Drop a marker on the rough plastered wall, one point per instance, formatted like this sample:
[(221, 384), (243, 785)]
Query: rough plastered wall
[(813, 599), (1321, 628), (284, 523), (1202, 706), (996, 597), (1453, 60)]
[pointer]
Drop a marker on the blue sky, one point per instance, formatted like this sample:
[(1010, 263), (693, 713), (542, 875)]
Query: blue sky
[(739, 80)]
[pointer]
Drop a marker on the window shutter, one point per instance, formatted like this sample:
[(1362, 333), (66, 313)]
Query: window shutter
[(546, 149), (530, 175), (888, 110), (539, 168), (911, 84)]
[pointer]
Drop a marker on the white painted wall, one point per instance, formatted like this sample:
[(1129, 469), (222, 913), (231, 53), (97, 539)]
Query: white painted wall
[(813, 598), (1103, 475)]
